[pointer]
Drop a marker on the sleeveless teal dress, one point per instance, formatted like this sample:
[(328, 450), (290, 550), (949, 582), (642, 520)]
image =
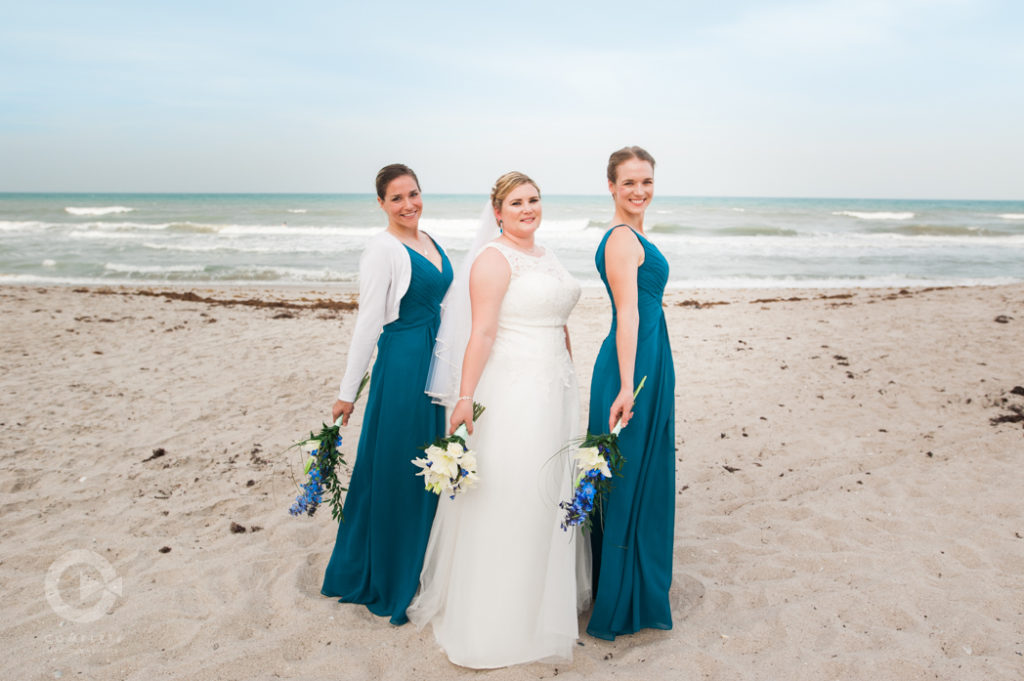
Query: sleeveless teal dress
[(632, 542), (388, 514)]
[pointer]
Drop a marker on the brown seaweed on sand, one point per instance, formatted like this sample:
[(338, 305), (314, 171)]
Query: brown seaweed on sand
[(157, 453), (192, 297), (696, 304), (1016, 414)]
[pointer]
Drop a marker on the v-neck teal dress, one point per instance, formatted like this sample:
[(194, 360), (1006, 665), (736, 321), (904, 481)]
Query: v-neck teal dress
[(388, 514), (632, 543)]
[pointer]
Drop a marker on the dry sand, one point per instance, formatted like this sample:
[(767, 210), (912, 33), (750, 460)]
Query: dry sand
[(846, 507)]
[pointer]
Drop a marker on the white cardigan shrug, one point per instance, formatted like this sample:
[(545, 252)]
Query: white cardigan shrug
[(384, 274)]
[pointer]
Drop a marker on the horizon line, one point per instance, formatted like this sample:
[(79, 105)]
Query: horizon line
[(484, 195)]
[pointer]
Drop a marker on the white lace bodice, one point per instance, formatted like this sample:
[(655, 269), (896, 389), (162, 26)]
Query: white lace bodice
[(541, 291)]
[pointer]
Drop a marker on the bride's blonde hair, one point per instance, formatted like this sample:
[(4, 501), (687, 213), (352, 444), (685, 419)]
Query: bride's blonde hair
[(506, 184)]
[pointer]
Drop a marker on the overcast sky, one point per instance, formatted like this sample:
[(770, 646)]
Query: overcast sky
[(893, 98)]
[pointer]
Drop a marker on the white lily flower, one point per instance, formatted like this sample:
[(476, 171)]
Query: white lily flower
[(443, 464), (590, 458), (468, 460), (467, 481), (423, 464)]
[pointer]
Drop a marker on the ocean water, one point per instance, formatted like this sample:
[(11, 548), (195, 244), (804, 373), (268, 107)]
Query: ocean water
[(315, 239)]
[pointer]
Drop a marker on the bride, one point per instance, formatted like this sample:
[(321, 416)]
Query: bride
[(502, 583)]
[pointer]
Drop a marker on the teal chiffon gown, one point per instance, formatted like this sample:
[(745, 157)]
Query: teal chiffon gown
[(388, 514), (632, 542)]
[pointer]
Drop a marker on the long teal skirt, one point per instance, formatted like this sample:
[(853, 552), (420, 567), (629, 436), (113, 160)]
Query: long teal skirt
[(379, 550)]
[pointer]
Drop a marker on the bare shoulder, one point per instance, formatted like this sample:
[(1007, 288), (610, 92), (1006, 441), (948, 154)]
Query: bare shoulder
[(490, 269), (623, 243)]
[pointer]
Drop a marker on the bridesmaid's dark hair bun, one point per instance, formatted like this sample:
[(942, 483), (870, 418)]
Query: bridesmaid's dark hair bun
[(624, 154), (392, 172)]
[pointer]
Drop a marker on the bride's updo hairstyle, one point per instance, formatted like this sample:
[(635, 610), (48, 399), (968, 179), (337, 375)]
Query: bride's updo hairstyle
[(624, 154), (393, 172), (506, 184)]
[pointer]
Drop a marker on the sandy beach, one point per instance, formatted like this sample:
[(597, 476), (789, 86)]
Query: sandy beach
[(850, 489)]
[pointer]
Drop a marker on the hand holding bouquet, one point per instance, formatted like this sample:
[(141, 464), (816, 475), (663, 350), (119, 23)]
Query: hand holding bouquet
[(449, 466), (321, 468), (597, 459)]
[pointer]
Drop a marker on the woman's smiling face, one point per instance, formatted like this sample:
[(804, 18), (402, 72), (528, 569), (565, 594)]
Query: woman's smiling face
[(633, 187), (402, 202), (520, 212)]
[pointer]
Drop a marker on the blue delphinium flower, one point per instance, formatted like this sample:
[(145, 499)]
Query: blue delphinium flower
[(322, 468), (310, 496), (597, 460), (587, 490), (578, 509)]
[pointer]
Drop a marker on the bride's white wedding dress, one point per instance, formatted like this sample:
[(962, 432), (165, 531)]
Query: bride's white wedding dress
[(502, 583)]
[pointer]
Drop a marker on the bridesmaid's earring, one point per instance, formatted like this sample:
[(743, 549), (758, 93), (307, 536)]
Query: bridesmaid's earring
[(501, 226)]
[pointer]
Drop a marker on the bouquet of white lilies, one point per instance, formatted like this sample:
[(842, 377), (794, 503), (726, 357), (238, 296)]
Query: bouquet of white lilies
[(449, 466)]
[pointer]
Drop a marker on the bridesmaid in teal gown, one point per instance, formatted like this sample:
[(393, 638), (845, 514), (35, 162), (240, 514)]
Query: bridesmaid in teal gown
[(388, 514), (632, 542)]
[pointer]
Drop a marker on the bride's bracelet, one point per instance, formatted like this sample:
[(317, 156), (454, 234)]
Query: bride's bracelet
[(464, 397)]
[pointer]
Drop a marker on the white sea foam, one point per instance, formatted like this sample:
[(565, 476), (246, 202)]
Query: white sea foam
[(142, 226), (289, 230), (111, 236), (23, 225), (238, 247), (120, 226), (152, 269), (297, 210), (186, 248), (100, 210), (875, 215), (295, 274), (7, 278), (80, 281), (1012, 216), (883, 241)]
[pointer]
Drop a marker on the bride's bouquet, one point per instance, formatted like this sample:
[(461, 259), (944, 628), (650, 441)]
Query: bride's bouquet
[(321, 468), (449, 466), (596, 460)]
